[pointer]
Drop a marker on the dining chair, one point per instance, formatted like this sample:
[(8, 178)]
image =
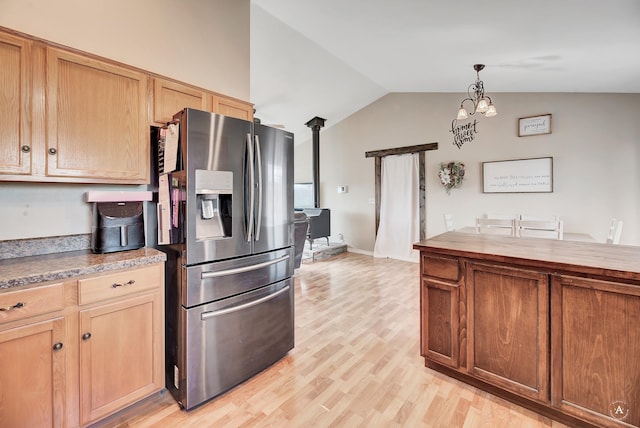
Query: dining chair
[(540, 228), (500, 215), (615, 231), (538, 217), (495, 226), (448, 223)]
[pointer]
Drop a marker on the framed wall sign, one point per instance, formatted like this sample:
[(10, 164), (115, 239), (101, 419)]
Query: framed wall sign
[(518, 176), (534, 125)]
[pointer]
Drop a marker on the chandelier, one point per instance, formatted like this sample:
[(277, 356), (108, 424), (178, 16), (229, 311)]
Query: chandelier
[(481, 103)]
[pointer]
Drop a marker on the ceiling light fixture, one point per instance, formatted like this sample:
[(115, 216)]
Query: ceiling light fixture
[(481, 103)]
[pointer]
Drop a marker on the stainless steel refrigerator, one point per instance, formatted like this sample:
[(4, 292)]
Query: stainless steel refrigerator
[(229, 286)]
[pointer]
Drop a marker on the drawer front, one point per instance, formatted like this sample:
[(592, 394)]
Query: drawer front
[(19, 304), (441, 267), (120, 283)]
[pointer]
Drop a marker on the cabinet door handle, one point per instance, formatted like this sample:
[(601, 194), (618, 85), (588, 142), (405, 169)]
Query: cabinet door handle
[(58, 346), (53, 151), (116, 285), (86, 336), (25, 149), (16, 306)]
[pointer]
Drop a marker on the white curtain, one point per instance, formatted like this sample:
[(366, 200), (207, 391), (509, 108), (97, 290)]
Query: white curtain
[(399, 209)]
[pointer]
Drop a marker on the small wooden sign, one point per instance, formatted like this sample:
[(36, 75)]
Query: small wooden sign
[(534, 125)]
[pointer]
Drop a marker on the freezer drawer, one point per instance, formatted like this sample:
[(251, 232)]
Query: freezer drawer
[(218, 280), (228, 341)]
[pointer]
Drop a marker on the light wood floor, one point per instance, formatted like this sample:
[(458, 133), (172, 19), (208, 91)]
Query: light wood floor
[(356, 363)]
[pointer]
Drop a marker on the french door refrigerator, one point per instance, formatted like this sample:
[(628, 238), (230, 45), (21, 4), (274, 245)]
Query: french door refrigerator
[(229, 245)]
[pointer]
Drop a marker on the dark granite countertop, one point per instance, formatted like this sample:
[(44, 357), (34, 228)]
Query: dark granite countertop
[(28, 270)]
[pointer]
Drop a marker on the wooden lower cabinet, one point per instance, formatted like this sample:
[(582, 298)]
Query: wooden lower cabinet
[(596, 350), (508, 328), (34, 351), (559, 338), (121, 339), (120, 354), (440, 339), (74, 352), (32, 376), (440, 300)]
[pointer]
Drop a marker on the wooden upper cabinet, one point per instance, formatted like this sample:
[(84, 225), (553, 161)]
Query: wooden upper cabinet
[(96, 120), (232, 107), (171, 97), (15, 105), (66, 116)]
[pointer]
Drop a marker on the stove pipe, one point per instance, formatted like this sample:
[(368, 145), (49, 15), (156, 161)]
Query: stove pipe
[(315, 124)]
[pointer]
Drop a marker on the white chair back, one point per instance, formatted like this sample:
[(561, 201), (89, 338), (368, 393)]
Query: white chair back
[(615, 231), (448, 223), (538, 217), (540, 228), (500, 216), (495, 226)]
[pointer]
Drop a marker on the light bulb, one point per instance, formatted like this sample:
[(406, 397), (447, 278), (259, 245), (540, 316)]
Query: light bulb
[(482, 106), (462, 114), (491, 111)]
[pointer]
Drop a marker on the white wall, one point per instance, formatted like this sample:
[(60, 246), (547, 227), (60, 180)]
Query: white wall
[(203, 42), (595, 145)]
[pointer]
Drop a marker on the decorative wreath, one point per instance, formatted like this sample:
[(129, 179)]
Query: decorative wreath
[(451, 175)]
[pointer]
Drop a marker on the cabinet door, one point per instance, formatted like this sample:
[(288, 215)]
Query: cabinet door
[(439, 314), (121, 354), (96, 120), (32, 375), (596, 350), (508, 322), (233, 108), (171, 97), (15, 105)]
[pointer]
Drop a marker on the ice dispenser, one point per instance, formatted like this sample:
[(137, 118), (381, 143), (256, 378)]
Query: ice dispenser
[(214, 192), (118, 220)]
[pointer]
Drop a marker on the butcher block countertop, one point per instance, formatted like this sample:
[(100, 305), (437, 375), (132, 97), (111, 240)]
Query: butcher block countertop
[(588, 258), (28, 270)]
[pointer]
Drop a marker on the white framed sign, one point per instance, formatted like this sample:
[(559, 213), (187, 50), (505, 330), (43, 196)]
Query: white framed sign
[(534, 125), (518, 176)]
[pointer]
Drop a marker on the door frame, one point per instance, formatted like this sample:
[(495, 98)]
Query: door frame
[(379, 154)]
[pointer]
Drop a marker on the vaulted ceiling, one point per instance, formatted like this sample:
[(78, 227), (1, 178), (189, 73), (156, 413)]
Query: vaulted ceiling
[(330, 58)]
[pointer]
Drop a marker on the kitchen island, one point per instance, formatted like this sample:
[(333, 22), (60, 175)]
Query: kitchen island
[(551, 325)]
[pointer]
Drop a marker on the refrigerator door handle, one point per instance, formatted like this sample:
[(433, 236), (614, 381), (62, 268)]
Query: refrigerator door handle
[(259, 185), (206, 315), (205, 275), (249, 224)]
